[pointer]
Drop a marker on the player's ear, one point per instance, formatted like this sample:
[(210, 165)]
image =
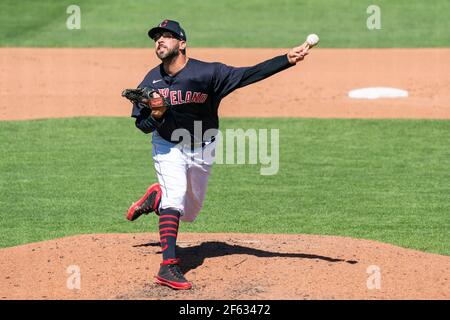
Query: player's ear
[(182, 45)]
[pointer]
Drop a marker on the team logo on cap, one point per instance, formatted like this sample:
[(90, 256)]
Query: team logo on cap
[(164, 23)]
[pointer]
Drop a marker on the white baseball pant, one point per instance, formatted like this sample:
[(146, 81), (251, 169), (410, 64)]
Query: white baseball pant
[(183, 175)]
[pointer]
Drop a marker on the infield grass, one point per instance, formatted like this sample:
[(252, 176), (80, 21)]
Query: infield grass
[(228, 23), (387, 180)]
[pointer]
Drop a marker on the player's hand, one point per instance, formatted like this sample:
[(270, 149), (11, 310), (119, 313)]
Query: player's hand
[(297, 54), (157, 104)]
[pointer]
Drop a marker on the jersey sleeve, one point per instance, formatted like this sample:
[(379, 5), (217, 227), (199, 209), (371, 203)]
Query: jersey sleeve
[(226, 79), (136, 111)]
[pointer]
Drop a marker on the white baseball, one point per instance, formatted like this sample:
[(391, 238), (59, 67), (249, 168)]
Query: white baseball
[(312, 39)]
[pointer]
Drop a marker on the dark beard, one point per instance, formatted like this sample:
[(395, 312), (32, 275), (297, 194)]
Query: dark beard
[(169, 55)]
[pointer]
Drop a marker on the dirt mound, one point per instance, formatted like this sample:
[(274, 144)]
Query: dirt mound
[(223, 266), (49, 83)]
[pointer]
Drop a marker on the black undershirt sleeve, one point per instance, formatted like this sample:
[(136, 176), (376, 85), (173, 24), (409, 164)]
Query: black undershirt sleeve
[(227, 78), (264, 70), (146, 123)]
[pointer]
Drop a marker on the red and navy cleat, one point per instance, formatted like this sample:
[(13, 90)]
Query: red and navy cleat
[(148, 203), (170, 275)]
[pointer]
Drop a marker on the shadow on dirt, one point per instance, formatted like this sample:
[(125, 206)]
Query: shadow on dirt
[(194, 256)]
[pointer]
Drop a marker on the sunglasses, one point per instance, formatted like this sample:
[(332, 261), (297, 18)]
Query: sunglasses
[(167, 34)]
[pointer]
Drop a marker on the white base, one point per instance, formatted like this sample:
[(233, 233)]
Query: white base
[(377, 93)]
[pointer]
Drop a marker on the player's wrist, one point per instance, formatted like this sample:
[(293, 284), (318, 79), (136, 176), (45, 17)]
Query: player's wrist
[(291, 59)]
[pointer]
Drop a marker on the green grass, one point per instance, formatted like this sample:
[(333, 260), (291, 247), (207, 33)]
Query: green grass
[(387, 180), (229, 23)]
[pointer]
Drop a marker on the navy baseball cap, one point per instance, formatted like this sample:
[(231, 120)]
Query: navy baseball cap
[(168, 25)]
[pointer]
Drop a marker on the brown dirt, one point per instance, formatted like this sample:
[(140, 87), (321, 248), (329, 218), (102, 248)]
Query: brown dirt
[(223, 266), (48, 83)]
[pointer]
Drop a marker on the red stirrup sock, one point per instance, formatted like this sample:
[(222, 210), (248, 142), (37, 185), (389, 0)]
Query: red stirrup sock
[(168, 231)]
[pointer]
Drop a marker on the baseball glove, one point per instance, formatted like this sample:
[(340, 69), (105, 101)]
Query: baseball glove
[(148, 98)]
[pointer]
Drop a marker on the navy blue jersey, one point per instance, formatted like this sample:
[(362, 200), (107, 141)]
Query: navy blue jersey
[(195, 92)]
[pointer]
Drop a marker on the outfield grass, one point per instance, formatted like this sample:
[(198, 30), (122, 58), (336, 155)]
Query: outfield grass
[(387, 180), (229, 23)]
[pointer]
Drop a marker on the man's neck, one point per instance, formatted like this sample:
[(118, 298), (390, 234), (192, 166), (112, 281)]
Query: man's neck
[(174, 65)]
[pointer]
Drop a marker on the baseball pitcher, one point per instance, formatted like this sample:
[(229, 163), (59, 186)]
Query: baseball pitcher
[(174, 97)]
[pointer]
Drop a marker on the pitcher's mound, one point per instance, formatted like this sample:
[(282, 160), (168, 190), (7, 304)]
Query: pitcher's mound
[(222, 266)]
